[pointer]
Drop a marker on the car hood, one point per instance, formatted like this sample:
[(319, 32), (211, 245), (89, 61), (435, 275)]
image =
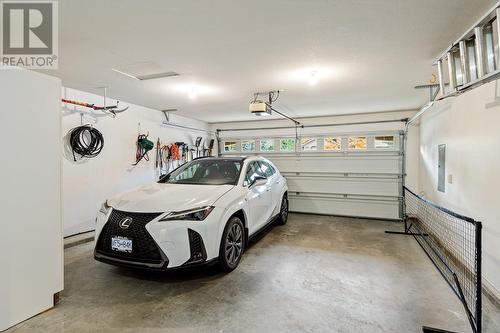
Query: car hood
[(161, 197)]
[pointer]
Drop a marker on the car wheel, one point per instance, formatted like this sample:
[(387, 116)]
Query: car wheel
[(283, 217), (232, 244)]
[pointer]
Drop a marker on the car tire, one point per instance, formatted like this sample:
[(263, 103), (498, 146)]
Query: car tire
[(232, 244), (283, 215)]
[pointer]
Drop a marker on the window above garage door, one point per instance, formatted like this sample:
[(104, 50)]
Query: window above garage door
[(326, 143)]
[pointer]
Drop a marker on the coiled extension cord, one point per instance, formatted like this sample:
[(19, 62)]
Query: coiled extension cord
[(86, 141)]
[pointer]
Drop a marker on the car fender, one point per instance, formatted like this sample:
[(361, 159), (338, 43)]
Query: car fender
[(284, 189), (232, 202)]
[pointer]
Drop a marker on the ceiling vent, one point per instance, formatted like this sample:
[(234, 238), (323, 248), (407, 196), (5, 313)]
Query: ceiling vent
[(144, 71)]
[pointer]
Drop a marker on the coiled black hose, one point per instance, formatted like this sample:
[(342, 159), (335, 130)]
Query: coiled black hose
[(86, 141)]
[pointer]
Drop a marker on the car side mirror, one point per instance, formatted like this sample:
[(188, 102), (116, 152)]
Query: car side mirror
[(258, 181)]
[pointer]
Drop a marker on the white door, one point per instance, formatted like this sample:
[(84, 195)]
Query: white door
[(258, 197), (351, 174)]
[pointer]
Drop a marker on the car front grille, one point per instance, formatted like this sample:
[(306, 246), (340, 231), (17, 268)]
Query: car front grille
[(144, 248)]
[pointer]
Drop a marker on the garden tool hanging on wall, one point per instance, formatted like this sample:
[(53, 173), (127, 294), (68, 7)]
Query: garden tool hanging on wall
[(159, 163), (143, 147), (183, 151), (175, 154), (197, 144), (210, 148), (159, 158), (112, 108), (166, 156)]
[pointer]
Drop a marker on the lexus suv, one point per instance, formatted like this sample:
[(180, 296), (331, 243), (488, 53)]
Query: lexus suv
[(203, 212)]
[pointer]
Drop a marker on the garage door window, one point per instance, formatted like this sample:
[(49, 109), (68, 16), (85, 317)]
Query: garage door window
[(332, 143), (384, 142), (248, 145), (357, 142), (287, 144), (267, 145), (309, 144), (229, 146)]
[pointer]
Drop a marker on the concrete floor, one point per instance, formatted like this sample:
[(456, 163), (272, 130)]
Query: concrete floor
[(316, 274)]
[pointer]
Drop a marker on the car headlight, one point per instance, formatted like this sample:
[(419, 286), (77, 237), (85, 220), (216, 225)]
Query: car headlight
[(105, 208), (196, 214)]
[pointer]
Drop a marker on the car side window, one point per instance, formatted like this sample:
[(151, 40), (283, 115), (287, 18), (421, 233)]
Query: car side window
[(267, 169), (253, 170)]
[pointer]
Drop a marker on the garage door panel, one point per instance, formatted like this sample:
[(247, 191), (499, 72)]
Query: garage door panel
[(342, 177), (349, 164), (345, 185), (347, 207)]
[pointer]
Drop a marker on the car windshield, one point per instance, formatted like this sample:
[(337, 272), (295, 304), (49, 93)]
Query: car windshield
[(206, 172)]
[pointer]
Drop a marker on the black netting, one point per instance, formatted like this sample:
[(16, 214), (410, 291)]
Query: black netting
[(453, 243)]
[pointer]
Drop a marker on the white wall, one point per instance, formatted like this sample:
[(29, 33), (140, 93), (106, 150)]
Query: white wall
[(87, 185), (412, 148), (469, 125)]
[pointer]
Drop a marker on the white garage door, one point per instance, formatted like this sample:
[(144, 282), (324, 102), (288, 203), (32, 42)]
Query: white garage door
[(356, 174)]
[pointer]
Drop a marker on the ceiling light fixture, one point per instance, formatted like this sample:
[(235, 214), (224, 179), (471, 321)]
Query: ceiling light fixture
[(313, 78), (193, 91), (313, 75)]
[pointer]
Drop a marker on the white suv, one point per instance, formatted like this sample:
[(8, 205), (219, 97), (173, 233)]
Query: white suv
[(203, 212)]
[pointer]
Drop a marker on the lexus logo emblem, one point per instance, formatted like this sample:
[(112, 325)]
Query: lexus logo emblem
[(125, 222)]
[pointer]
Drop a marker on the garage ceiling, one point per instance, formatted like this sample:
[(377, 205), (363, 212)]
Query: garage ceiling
[(367, 55)]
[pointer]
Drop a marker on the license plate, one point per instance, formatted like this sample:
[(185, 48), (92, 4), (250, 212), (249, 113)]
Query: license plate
[(121, 244)]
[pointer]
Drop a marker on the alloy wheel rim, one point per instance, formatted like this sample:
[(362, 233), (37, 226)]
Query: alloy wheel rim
[(234, 244)]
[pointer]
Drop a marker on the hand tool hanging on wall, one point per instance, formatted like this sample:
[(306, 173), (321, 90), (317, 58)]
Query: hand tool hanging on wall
[(175, 155), (158, 159), (85, 141), (182, 151), (185, 149), (175, 152), (197, 144), (210, 147), (143, 147), (166, 157)]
